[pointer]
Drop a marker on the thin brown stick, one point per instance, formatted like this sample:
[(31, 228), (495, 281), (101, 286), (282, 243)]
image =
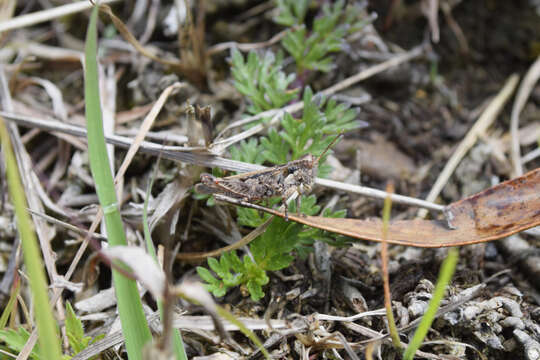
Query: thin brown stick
[(246, 46), (198, 157), (391, 322), (124, 31), (242, 242), (66, 225)]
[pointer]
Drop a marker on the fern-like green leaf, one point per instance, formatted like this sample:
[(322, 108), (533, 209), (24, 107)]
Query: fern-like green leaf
[(291, 12), (75, 330), (16, 339), (262, 81)]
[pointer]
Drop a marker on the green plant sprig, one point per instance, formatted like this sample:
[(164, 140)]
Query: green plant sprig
[(271, 251), (264, 83), (312, 50)]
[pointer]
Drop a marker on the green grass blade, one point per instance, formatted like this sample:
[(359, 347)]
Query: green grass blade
[(11, 303), (178, 344), (49, 339), (134, 325), (247, 332), (445, 275)]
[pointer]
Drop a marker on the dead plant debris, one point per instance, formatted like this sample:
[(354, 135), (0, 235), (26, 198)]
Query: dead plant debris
[(449, 91)]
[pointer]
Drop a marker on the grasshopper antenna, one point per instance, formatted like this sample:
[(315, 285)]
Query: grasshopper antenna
[(328, 147)]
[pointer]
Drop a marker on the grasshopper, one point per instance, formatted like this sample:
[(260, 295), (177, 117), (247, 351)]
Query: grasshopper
[(280, 180)]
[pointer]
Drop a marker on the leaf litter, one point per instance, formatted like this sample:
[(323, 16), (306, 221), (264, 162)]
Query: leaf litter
[(420, 113)]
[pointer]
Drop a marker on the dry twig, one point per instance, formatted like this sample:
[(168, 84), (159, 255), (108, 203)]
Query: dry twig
[(525, 88), (482, 124)]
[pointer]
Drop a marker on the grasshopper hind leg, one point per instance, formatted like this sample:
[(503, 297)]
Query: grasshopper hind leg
[(284, 200)]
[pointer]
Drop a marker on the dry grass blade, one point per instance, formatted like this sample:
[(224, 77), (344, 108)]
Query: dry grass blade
[(531, 156), (47, 15), (246, 46), (123, 141), (143, 267), (378, 194), (136, 44), (186, 323), (390, 320), (144, 128), (7, 8), (481, 125), (54, 94), (242, 242), (198, 156), (67, 225), (192, 69), (48, 52), (31, 186), (523, 93), (495, 213)]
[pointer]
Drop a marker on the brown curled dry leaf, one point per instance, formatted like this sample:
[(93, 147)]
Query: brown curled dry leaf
[(497, 212)]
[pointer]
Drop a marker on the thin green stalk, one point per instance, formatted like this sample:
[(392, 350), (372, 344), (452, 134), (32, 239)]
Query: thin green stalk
[(11, 303), (178, 344), (49, 340), (247, 332), (213, 309), (134, 325), (445, 275)]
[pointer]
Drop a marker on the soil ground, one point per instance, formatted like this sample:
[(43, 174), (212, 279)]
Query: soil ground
[(417, 113)]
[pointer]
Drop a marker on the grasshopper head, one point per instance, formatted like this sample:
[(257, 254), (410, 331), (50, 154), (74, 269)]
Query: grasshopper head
[(207, 179), (304, 170), (309, 161)]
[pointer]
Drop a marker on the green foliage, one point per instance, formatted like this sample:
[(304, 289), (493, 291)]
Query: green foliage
[(311, 49), (15, 340), (271, 251), (252, 217), (75, 332), (266, 86), (308, 134), (232, 272), (309, 235), (445, 276), (6, 312), (248, 151), (262, 81), (210, 201), (291, 12), (274, 249)]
